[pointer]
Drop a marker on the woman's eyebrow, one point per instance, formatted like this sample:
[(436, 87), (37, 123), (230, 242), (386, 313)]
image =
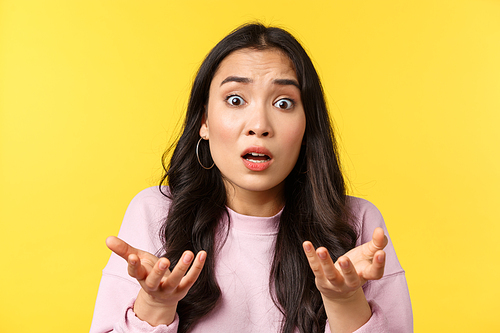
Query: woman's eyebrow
[(286, 82), (281, 82), (236, 79)]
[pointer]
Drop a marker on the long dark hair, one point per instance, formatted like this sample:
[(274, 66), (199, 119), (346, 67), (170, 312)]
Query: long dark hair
[(315, 196)]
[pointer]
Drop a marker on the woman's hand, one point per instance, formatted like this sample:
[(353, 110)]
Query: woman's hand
[(351, 271), (340, 282), (161, 289)]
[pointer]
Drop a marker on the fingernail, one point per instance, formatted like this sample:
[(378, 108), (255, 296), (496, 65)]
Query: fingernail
[(187, 258), (308, 247), (381, 258), (162, 265), (203, 256), (344, 264), (322, 255), (133, 262)]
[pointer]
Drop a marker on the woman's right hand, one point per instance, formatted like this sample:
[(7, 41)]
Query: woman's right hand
[(161, 289)]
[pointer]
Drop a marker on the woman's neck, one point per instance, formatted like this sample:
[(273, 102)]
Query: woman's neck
[(252, 203)]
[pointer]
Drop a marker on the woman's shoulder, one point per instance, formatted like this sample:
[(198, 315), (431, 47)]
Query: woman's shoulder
[(362, 208), (149, 205), (366, 217), (144, 217), (151, 196)]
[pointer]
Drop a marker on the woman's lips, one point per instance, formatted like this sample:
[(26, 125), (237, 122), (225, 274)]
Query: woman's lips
[(257, 158)]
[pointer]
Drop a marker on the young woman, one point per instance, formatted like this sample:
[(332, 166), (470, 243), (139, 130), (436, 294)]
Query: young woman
[(254, 186)]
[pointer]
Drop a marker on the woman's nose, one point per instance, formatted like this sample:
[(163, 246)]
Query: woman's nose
[(259, 123)]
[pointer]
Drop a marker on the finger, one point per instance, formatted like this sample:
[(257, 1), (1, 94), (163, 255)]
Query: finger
[(179, 271), (154, 278), (378, 242), (351, 278), (331, 273), (194, 272), (379, 239), (376, 270), (135, 268), (313, 260), (120, 247)]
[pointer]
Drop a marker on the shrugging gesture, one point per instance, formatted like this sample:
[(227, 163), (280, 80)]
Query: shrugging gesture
[(162, 289), (340, 282)]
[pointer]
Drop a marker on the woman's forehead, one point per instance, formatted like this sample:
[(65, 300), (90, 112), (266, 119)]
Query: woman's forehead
[(251, 61)]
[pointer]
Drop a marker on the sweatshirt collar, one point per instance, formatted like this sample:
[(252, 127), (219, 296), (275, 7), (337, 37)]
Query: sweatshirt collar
[(254, 224)]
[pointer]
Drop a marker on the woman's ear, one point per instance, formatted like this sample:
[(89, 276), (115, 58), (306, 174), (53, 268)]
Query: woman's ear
[(204, 126)]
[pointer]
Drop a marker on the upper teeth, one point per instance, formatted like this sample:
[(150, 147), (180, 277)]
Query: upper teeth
[(257, 154)]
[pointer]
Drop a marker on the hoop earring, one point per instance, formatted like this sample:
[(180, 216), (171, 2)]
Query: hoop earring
[(198, 157)]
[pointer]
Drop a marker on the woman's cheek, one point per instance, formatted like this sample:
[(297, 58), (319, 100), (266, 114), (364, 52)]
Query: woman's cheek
[(295, 133), (222, 142)]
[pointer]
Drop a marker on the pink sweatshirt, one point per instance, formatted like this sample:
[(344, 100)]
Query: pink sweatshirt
[(242, 272)]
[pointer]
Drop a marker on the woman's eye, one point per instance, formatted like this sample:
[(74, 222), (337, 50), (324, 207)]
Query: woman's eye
[(235, 100), (284, 104)]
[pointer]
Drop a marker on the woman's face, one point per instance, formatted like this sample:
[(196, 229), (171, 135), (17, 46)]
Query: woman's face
[(255, 121)]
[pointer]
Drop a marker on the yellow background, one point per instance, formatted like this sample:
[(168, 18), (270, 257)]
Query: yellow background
[(91, 92)]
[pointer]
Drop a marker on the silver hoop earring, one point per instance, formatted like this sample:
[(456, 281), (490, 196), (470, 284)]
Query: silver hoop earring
[(198, 157)]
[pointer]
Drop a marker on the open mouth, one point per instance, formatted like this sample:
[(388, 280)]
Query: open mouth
[(256, 157)]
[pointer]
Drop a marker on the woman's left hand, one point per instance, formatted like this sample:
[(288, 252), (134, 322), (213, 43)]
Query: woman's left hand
[(340, 280)]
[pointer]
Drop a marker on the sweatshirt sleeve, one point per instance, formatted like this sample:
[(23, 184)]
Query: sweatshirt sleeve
[(113, 310), (131, 324), (388, 297)]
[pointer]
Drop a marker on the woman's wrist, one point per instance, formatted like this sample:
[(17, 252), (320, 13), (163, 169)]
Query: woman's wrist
[(347, 315), (153, 312)]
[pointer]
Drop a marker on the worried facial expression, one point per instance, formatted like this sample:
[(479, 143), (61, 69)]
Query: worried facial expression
[(255, 121)]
